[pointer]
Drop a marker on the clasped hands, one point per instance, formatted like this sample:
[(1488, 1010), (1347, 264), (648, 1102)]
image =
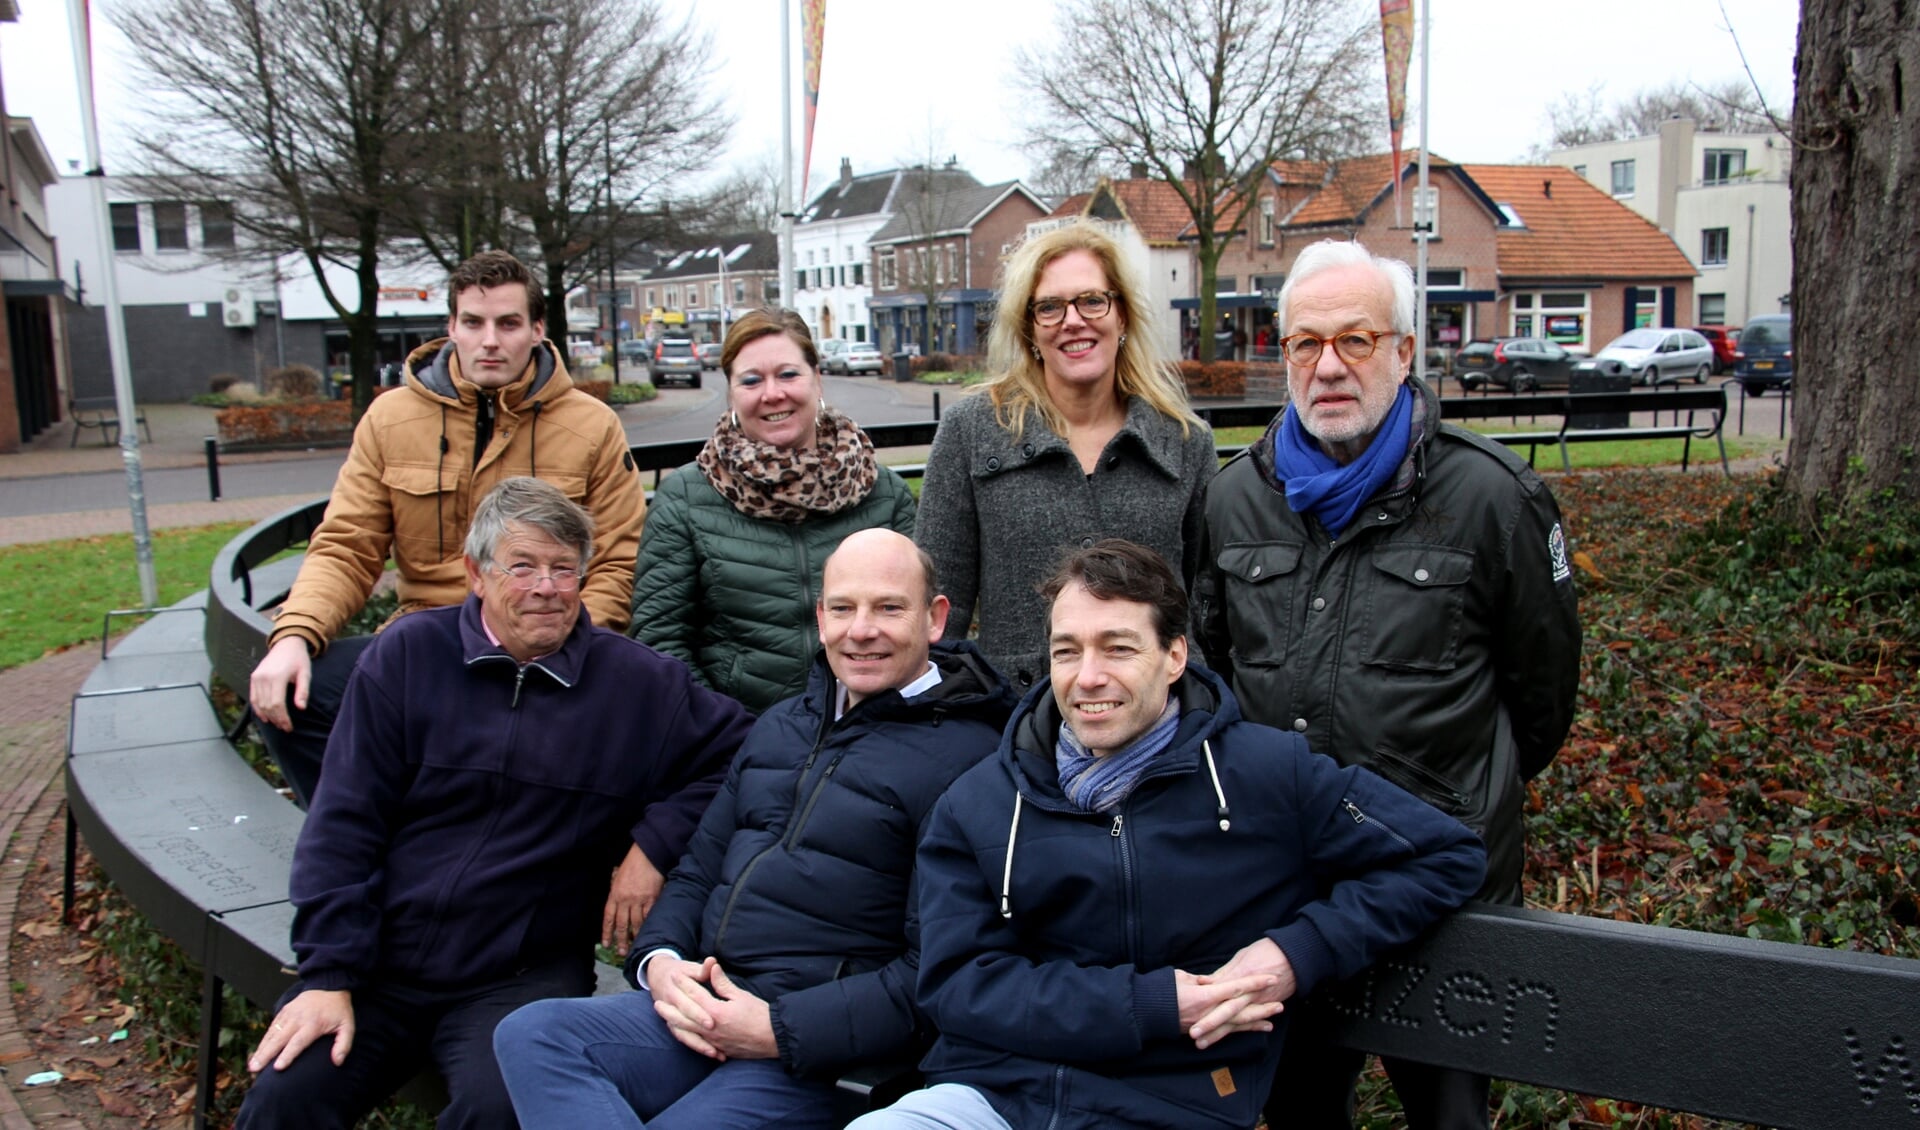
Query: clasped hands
[(709, 1013), (1241, 996)]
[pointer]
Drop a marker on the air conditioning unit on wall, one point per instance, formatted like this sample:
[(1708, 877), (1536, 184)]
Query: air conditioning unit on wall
[(237, 308)]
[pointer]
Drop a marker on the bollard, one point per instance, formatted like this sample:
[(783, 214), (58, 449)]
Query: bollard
[(213, 468), (936, 405)]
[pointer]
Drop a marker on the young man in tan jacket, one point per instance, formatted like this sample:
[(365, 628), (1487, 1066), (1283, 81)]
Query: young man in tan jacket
[(490, 401)]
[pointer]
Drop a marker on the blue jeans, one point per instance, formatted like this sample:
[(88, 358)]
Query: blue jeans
[(611, 1062)]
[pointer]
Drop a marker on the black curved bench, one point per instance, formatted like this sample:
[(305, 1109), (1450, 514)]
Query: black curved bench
[(1761, 1032)]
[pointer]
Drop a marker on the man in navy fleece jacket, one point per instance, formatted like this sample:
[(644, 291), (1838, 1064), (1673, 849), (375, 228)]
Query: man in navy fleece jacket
[(492, 765)]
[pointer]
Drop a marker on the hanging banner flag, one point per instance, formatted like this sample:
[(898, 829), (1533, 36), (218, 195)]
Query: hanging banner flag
[(813, 35), (1396, 40)]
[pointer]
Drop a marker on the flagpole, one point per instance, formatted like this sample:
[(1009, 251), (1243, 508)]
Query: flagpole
[(110, 298), (786, 157), (1422, 204)]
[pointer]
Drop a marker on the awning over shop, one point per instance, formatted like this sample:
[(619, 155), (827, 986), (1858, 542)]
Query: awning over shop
[(1227, 302)]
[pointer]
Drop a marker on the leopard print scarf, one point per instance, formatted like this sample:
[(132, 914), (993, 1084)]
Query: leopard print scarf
[(791, 485)]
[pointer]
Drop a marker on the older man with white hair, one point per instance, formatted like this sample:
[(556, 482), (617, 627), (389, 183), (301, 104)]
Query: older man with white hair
[(1397, 590)]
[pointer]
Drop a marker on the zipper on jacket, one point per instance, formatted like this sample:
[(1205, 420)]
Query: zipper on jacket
[(799, 789), (519, 680), (1127, 893), (1360, 817), (819, 786), (1059, 1096)]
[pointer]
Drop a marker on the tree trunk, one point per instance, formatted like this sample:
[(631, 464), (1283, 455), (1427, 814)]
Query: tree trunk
[(1208, 257), (363, 331), (1856, 252)]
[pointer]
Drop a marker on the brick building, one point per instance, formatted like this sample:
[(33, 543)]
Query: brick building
[(936, 263), (1517, 249)]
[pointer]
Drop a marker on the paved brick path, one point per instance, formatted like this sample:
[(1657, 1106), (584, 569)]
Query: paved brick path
[(33, 744)]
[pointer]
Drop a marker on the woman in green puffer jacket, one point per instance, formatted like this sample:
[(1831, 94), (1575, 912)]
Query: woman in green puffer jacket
[(731, 555)]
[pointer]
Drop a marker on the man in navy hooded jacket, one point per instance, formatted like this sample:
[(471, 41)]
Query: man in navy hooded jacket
[(1116, 908), (494, 763)]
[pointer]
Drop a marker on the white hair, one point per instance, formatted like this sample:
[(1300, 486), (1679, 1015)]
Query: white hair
[(1331, 253)]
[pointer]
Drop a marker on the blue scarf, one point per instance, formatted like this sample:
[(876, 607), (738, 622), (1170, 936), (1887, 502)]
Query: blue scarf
[(1316, 485), (1100, 784)]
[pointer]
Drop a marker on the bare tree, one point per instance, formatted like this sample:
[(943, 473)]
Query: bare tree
[(572, 123), (1208, 94), (1856, 255), (746, 198), (1726, 106), (1060, 170), (305, 114)]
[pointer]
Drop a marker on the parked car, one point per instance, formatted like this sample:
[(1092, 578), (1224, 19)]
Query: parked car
[(1659, 355), (1521, 364), (709, 352), (1765, 359), (635, 350), (838, 355), (1726, 345), (675, 357)]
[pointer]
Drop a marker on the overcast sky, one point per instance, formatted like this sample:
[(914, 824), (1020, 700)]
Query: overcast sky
[(903, 79)]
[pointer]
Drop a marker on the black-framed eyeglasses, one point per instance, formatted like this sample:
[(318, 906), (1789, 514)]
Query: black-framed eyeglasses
[(525, 576), (1093, 305), (1352, 346)]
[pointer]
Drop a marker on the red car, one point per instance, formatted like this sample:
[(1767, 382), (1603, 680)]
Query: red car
[(1726, 345)]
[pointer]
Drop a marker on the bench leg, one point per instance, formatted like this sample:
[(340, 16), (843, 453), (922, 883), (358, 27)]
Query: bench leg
[(209, 1069), (66, 883)]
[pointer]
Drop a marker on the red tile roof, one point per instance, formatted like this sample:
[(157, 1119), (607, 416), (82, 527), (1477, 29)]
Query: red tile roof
[(1574, 229), (1153, 206), (1348, 188)]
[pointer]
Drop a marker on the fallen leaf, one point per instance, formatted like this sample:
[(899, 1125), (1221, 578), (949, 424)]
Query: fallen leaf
[(116, 1104), (104, 1061), (15, 1056), (81, 1075), (38, 929), (77, 958)]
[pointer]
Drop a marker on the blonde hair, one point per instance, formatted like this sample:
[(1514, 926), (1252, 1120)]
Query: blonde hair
[(1020, 383)]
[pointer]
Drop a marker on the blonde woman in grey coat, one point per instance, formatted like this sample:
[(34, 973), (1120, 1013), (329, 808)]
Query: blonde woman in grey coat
[(1084, 433)]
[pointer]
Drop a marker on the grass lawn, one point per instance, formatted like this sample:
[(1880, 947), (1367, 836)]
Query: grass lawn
[(54, 594)]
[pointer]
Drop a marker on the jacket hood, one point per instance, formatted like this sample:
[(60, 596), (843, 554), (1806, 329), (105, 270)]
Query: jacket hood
[(969, 687), (429, 370), (1027, 747), (1026, 753)]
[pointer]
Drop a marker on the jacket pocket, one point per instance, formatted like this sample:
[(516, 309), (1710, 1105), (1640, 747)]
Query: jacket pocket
[(1415, 607), (426, 511), (1429, 785), (1258, 582)]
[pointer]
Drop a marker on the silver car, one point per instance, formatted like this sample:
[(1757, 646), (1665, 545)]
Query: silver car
[(1658, 355)]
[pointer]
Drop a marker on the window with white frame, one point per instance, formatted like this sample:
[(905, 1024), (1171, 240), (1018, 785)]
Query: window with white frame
[(1713, 309), (126, 226), (1623, 178), (713, 289), (169, 225), (1723, 165), (652, 299), (739, 291), (1565, 317), (1266, 221), (1713, 247), (216, 225), (887, 278)]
